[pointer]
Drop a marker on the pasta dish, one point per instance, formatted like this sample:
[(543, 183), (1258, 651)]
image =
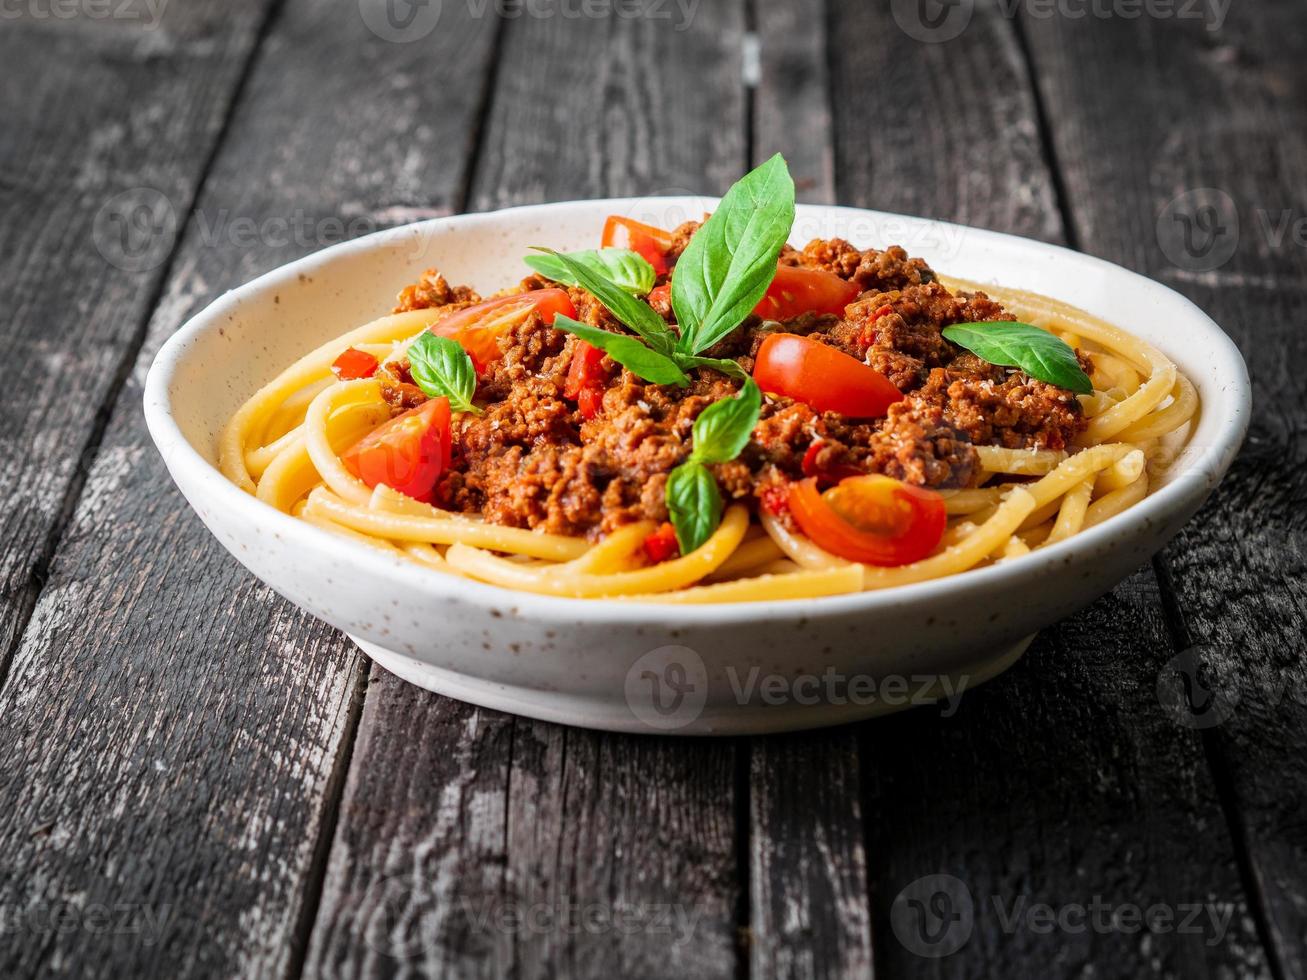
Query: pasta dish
[(707, 414)]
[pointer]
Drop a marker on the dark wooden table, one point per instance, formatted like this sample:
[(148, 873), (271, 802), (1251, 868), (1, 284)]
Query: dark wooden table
[(197, 779)]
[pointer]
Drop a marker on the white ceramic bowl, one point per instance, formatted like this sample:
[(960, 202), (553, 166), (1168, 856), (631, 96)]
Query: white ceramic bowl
[(640, 667)]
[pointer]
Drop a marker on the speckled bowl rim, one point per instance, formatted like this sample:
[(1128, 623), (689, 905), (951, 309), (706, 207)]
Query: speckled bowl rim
[(1222, 426)]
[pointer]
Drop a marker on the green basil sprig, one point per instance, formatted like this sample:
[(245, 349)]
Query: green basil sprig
[(442, 369), (722, 429), (635, 313), (1022, 345), (721, 276), (720, 433), (694, 504), (629, 271), (627, 351), (731, 259)]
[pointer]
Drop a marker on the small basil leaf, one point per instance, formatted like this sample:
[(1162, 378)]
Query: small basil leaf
[(731, 259), (627, 351), (723, 428), (723, 364), (442, 368), (635, 313), (1021, 345), (629, 271), (694, 503)]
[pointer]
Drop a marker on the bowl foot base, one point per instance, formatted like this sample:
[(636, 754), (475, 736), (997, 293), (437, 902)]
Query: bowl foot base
[(614, 715)]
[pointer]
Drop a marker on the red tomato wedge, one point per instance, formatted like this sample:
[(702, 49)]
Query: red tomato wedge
[(874, 519), (648, 241), (479, 327), (796, 291), (354, 364), (662, 544), (586, 379), (408, 453), (822, 377)]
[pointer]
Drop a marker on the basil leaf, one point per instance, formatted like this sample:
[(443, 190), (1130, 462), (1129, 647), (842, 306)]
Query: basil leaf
[(731, 260), (723, 364), (1037, 352), (627, 351), (723, 428), (695, 504), (635, 313), (442, 369), (629, 271)]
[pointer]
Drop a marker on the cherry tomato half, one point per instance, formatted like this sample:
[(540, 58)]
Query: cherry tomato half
[(479, 327), (873, 519), (648, 241), (822, 377), (408, 453), (796, 291), (354, 364)]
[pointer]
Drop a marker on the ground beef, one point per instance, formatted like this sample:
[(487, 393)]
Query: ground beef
[(432, 290), (530, 460), (681, 238)]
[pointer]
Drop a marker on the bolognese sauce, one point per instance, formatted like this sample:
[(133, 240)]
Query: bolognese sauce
[(532, 460)]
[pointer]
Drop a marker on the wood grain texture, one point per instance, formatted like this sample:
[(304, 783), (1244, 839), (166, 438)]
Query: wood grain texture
[(1233, 99), (1064, 779), (1063, 784), (792, 102), (941, 130), (98, 166), (176, 731), (616, 105), (518, 848), (809, 898)]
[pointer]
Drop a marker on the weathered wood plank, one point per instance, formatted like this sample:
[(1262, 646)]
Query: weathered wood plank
[(942, 130), (1064, 780), (809, 909), (1240, 596), (616, 104), (583, 854), (105, 139), (176, 732), (1064, 784), (792, 103)]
